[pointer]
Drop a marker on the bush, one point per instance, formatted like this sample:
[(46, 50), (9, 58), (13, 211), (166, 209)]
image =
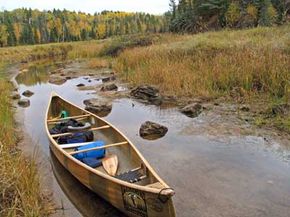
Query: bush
[(119, 44)]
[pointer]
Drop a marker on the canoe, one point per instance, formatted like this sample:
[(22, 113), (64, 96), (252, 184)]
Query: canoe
[(133, 187)]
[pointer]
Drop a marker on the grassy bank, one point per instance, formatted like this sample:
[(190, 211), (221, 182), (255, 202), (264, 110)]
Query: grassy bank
[(19, 183), (212, 64), (245, 65)]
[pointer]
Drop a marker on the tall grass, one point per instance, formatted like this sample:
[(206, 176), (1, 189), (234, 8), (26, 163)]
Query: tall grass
[(255, 61), (19, 182)]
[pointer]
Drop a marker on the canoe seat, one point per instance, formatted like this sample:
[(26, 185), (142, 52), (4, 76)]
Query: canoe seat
[(132, 176)]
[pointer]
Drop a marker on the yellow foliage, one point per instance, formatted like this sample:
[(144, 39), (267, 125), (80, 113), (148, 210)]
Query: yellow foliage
[(101, 30), (233, 14), (252, 11)]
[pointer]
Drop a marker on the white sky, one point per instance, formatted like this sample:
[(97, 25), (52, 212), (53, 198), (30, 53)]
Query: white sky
[(90, 6)]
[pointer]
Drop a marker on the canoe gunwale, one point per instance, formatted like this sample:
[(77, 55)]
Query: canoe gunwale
[(169, 192)]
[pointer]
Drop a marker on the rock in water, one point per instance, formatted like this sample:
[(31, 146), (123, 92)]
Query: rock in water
[(57, 80), (27, 93), (80, 85), (97, 107), (192, 110), (109, 87), (151, 130), (147, 93), (24, 102), (15, 95)]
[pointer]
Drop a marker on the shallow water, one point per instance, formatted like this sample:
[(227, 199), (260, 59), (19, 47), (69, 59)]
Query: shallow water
[(213, 174)]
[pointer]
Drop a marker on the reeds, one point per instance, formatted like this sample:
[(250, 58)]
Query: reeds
[(19, 183), (255, 61)]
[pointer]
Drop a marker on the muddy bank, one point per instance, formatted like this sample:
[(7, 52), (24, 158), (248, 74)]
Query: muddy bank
[(218, 163)]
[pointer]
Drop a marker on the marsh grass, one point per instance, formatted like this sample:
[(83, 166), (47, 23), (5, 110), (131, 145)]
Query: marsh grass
[(255, 61), (19, 183)]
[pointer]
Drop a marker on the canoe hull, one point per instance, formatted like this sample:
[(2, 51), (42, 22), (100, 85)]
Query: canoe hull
[(130, 201)]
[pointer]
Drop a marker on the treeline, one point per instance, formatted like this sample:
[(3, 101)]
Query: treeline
[(26, 26), (202, 15)]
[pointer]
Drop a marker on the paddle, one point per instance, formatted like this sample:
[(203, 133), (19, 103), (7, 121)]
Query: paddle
[(110, 164)]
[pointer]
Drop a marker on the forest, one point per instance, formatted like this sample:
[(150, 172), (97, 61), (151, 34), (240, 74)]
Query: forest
[(27, 26), (204, 15)]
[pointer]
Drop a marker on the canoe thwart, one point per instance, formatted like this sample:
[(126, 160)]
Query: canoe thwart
[(98, 148), (67, 118), (91, 129)]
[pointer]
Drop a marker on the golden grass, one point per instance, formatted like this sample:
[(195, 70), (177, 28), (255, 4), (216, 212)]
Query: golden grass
[(97, 63), (210, 64), (19, 182)]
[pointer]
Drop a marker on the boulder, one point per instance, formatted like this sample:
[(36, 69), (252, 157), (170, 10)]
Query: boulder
[(147, 93), (98, 107), (192, 110), (151, 130), (24, 102), (27, 93), (15, 95), (57, 80), (109, 87)]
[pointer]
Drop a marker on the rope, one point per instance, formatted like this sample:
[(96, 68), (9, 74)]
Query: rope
[(163, 198)]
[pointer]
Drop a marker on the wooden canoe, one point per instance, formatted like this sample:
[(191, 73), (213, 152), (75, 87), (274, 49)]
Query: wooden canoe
[(146, 195)]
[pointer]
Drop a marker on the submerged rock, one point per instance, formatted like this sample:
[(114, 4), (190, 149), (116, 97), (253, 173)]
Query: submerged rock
[(24, 102), (192, 110), (147, 93), (109, 87), (151, 130), (98, 107), (15, 96), (27, 93), (57, 80)]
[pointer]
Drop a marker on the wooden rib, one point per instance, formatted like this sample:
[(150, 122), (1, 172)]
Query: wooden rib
[(71, 133), (98, 148), (67, 118)]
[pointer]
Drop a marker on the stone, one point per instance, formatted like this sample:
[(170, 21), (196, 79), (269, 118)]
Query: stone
[(107, 79), (98, 107), (27, 93), (147, 93), (57, 80), (192, 110), (280, 109), (15, 96), (245, 108), (24, 102), (151, 130), (80, 85), (109, 87)]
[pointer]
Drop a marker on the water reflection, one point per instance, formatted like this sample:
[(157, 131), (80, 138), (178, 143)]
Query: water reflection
[(35, 75), (88, 203)]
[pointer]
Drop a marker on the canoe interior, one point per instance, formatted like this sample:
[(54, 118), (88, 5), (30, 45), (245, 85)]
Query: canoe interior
[(127, 157)]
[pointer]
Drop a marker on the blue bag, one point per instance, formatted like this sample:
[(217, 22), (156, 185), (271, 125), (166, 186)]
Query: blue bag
[(91, 154), (92, 162)]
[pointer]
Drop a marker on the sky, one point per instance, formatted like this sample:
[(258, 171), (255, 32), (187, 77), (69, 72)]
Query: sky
[(90, 6)]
